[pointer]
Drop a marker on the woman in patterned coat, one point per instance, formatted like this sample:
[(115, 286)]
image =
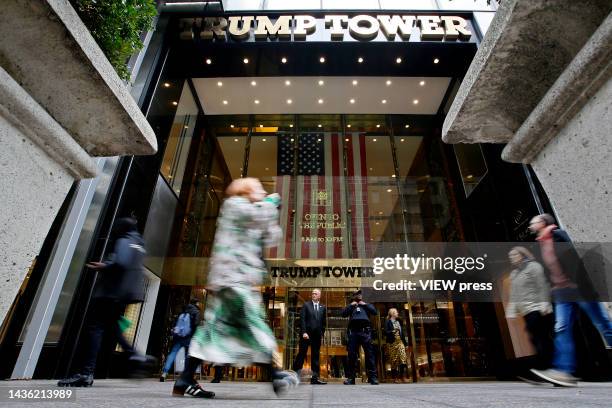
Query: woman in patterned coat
[(235, 332), (396, 342)]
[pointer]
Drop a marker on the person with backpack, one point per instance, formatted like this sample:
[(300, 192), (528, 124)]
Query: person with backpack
[(183, 329)]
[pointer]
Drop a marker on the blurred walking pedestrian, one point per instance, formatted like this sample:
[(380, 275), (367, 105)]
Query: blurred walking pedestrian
[(120, 281), (571, 290), (530, 299), (235, 332), (186, 323)]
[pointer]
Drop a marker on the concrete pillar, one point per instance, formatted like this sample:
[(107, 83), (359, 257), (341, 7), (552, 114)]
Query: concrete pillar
[(61, 104), (541, 83)]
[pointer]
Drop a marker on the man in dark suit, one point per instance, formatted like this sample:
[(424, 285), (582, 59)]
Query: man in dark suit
[(313, 323)]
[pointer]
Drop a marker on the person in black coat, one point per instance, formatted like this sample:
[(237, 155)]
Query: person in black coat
[(119, 282), (360, 334), (312, 328)]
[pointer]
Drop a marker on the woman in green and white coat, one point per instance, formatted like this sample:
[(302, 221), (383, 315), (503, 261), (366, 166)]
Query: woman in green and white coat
[(235, 332)]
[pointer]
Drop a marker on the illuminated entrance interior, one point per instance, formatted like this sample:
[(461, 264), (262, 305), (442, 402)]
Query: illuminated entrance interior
[(348, 182)]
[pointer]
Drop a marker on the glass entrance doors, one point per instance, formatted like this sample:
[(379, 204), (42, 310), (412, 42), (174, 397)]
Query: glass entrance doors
[(348, 183)]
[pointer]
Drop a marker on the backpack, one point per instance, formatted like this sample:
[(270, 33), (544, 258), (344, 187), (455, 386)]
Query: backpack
[(183, 325)]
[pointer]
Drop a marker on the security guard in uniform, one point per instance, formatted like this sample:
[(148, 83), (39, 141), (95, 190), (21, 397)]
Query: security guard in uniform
[(360, 334)]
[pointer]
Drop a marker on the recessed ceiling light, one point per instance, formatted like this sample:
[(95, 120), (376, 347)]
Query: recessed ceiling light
[(384, 101), (225, 102), (232, 126), (235, 140), (253, 83), (348, 126), (436, 60), (318, 140), (422, 83), (380, 213), (406, 126), (321, 82), (246, 60), (346, 140), (260, 125), (263, 140), (219, 83), (167, 84), (292, 139), (377, 126), (401, 140), (371, 169), (320, 101), (352, 101), (398, 60), (355, 82), (256, 101), (267, 168), (416, 102), (360, 60), (289, 101), (374, 139), (284, 60), (319, 125), (322, 60), (287, 82), (174, 103), (208, 61), (377, 223), (388, 82), (291, 125)]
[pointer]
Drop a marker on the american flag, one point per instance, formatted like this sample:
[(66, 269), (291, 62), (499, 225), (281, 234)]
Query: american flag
[(316, 224)]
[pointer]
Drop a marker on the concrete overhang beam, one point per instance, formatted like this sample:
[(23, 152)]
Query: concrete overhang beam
[(528, 46), (71, 78)]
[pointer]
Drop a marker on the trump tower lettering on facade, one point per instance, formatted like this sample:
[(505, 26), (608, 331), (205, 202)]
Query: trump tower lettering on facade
[(363, 27)]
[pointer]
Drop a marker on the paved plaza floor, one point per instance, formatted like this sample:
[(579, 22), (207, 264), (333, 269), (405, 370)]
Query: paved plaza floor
[(152, 394)]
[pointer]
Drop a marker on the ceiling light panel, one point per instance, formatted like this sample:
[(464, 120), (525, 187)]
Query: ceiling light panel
[(336, 93)]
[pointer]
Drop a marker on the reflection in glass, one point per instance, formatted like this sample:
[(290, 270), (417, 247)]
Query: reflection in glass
[(321, 201), (472, 165), (79, 258), (372, 186), (179, 140), (468, 5), (408, 5), (292, 4), (229, 5), (350, 4)]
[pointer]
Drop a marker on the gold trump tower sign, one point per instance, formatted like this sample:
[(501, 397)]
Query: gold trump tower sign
[(362, 27)]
